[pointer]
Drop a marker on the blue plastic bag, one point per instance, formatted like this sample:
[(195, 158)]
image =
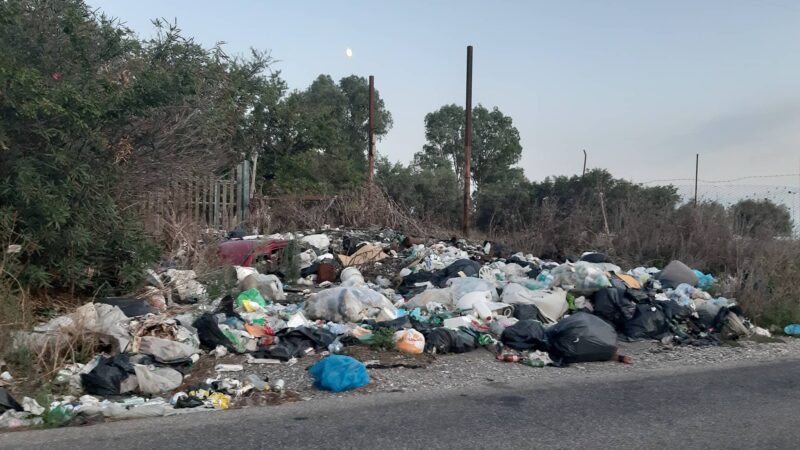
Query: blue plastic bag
[(704, 281), (339, 373), (792, 330)]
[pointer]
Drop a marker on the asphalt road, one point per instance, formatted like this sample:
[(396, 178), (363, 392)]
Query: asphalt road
[(726, 408)]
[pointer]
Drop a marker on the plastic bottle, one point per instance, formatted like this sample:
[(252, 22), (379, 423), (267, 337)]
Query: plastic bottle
[(257, 382), (482, 310), (533, 362), (279, 385), (477, 302)]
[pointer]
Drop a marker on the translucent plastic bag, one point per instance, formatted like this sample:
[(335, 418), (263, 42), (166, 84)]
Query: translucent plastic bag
[(349, 304), (464, 285), (432, 295), (582, 276), (409, 341)]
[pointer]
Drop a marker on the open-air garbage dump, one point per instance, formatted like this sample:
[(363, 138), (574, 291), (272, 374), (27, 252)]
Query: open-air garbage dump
[(337, 298)]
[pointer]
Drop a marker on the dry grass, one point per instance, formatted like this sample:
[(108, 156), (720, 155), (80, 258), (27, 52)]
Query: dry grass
[(366, 207), (762, 273)]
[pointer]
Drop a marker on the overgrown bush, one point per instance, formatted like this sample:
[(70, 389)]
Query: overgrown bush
[(91, 118)]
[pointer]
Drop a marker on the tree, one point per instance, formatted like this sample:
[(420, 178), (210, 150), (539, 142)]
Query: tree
[(495, 141), (505, 205), (320, 140), (761, 218), (90, 117), (430, 192)]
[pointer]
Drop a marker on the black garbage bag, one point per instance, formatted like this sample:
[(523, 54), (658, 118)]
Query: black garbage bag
[(729, 323), (534, 272), (131, 307), (611, 305), (106, 378), (497, 250), (637, 295), (294, 342), (439, 278), (409, 282), (648, 323), (209, 333), (596, 258), (581, 337), (351, 245), (675, 312), (519, 261), (400, 323), (188, 402), (227, 306), (310, 270), (7, 401), (525, 312), (525, 335), (468, 267), (445, 340)]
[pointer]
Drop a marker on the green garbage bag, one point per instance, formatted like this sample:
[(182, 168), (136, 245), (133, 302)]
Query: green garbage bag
[(249, 298)]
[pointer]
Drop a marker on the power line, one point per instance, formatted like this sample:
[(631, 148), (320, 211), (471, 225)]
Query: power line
[(733, 180)]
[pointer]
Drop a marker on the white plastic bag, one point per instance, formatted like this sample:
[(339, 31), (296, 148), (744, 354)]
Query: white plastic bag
[(165, 350), (269, 286), (318, 241), (156, 379), (551, 303)]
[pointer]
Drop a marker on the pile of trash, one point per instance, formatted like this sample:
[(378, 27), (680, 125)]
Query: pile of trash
[(357, 288)]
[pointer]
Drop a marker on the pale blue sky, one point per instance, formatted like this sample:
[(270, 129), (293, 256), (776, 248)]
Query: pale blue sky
[(642, 85)]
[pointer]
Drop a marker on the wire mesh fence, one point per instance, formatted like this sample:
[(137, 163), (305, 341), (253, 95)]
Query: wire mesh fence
[(781, 189)]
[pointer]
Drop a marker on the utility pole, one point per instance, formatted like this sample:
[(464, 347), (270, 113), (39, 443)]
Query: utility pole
[(584, 162), (696, 174), (371, 126), (468, 144)]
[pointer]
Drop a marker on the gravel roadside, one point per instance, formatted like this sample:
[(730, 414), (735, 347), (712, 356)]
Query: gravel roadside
[(455, 371)]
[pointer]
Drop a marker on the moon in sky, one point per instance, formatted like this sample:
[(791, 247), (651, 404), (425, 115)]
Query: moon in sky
[(349, 52)]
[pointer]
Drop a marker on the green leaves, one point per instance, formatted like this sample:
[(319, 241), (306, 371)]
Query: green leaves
[(318, 140), (495, 141)]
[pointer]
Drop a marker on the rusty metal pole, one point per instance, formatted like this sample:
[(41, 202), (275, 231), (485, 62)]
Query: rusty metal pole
[(468, 144), (696, 174), (371, 126), (584, 162)]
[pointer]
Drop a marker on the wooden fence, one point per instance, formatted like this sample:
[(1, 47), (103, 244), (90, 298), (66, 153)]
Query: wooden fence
[(217, 202)]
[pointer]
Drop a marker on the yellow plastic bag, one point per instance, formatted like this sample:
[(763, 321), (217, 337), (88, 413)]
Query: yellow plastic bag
[(409, 341), (220, 401)]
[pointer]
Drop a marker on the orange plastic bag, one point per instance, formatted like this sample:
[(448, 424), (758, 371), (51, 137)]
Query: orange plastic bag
[(409, 341)]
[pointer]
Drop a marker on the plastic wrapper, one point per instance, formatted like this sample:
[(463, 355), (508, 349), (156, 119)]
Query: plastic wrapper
[(349, 304)]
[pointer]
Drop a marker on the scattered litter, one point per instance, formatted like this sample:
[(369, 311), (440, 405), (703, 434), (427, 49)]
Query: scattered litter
[(384, 298), (228, 368)]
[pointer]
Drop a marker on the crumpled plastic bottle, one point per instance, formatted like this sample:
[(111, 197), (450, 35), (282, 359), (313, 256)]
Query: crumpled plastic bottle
[(336, 346)]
